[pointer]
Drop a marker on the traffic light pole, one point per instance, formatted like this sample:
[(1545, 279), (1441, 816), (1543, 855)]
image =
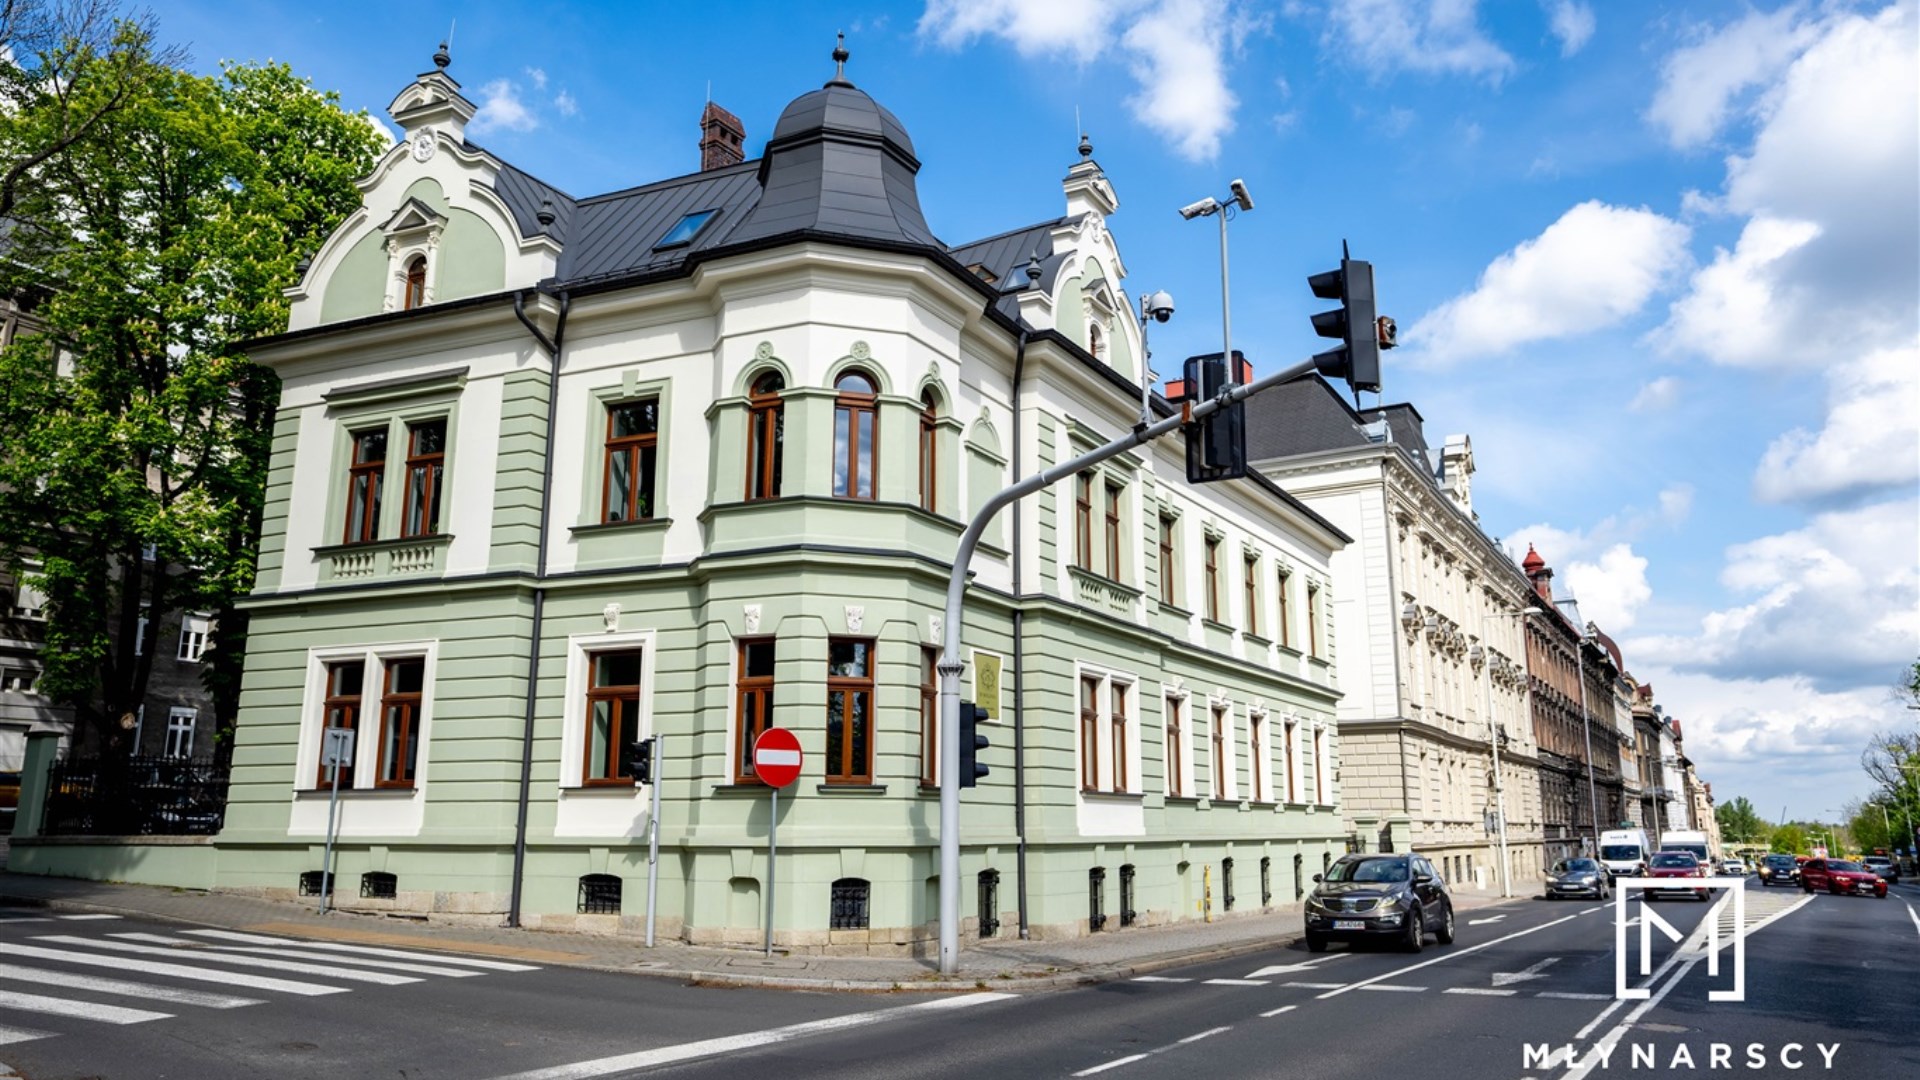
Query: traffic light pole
[(653, 837), (950, 665)]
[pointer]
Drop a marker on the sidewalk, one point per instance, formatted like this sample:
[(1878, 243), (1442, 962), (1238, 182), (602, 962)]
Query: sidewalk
[(1006, 963)]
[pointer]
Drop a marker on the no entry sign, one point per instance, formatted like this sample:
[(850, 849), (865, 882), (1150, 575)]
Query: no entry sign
[(776, 757)]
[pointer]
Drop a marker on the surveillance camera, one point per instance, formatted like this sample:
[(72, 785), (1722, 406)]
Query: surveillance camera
[(1158, 306), (1240, 194), (1200, 209)]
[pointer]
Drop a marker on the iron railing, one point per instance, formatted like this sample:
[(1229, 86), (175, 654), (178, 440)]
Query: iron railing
[(137, 796)]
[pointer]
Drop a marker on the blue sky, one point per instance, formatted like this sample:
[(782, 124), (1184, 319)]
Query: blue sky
[(1660, 262)]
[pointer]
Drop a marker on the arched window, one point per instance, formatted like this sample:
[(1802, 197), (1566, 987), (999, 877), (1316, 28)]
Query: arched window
[(929, 452), (416, 294), (1094, 344), (855, 429), (766, 422)]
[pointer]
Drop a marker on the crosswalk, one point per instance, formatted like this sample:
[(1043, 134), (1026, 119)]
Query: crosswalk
[(53, 971)]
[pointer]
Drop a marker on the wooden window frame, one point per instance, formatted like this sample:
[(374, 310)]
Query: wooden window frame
[(1256, 775), (929, 716), (414, 293), (634, 448), (430, 470), (748, 690), (766, 436), (1290, 755), (349, 704), (1219, 738), (1167, 593), (1213, 578), (929, 453), (1083, 521), (1313, 619), (1285, 586), (841, 772), (1089, 732), (619, 698), (375, 474), (854, 405), (1117, 733), (406, 749), (1321, 794), (1115, 492), (1176, 759), (1251, 564)]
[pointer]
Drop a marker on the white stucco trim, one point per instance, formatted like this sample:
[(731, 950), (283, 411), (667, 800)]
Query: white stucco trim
[(364, 809), (1107, 812), (600, 812)]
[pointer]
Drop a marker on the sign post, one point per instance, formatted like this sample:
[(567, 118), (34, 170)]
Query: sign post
[(337, 751), (653, 834), (776, 761)]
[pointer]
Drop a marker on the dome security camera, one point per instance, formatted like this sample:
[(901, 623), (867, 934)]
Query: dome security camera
[(1158, 305)]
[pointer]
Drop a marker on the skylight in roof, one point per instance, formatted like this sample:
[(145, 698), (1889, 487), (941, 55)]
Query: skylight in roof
[(686, 229)]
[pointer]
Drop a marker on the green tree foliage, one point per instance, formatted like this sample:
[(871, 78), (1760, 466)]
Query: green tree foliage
[(1791, 839), (1870, 825), (154, 247), (1739, 822)]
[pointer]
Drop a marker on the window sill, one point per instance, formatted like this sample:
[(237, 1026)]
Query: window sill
[(1175, 609), (1114, 796), (1252, 638), (1215, 624), (852, 789), (637, 525), (741, 789), (384, 544), (1183, 800), (357, 793), (592, 791)]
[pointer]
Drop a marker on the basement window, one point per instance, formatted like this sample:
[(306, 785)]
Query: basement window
[(686, 229), (599, 895), (379, 885)]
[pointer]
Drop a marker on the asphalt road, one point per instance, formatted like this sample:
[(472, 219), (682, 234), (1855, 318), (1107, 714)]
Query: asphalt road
[(1526, 991)]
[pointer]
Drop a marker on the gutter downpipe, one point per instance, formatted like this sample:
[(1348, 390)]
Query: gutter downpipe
[(1019, 666), (552, 346)]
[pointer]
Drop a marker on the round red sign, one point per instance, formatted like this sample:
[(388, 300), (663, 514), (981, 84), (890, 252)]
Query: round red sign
[(776, 757)]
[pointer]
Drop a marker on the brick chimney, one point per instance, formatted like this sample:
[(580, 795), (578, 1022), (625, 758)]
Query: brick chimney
[(722, 138), (1539, 573)]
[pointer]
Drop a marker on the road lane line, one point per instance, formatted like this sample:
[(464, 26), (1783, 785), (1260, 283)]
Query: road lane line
[(1390, 986), (1450, 955), (1612, 1037), (19, 1035), (361, 950), (1202, 1035), (295, 954), (1568, 995), (1114, 1064), (1480, 991), (1304, 965), (85, 918), (1483, 922), (1237, 982), (178, 971), (734, 1044), (173, 995), (1313, 986), (1159, 978), (379, 977), (1912, 915), (79, 1010), (1278, 1011)]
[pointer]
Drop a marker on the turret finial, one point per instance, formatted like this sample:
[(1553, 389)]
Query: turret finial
[(1086, 147), (840, 55), (441, 58)]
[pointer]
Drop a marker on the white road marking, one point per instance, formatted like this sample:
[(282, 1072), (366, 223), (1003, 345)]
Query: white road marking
[(1912, 915), (1591, 910), (1613, 1034), (1528, 974), (85, 918), (1159, 978), (1313, 986), (361, 950), (1114, 1064), (1479, 990), (380, 977), (81, 1010), (1237, 982), (1202, 1035), (1567, 995), (733, 1044), (1278, 1011), (173, 995), (1587, 1029), (18, 1035), (178, 971), (1304, 965), (1483, 922), (1390, 986), (1453, 954), (295, 954)]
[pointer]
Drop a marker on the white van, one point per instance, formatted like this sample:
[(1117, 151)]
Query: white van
[(1684, 840), (1624, 852)]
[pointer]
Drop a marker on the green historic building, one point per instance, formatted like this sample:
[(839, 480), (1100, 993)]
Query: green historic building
[(697, 455)]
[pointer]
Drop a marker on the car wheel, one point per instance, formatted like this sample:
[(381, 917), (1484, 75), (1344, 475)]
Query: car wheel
[(1445, 934), (1833, 887), (1316, 943), (1416, 937)]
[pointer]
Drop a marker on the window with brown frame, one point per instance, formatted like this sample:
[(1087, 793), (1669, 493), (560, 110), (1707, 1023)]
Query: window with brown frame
[(416, 293), (1252, 565), (426, 466), (766, 432), (613, 715), (1219, 736), (929, 716), (1114, 491), (1117, 726), (400, 722), (1083, 521), (1313, 620), (849, 711), (365, 478), (929, 452), (628, 461), (855, 431), (1166, 560), (1320, 766), (1256, 751), (1284, 586), (1213, 578), (1289, 762), (341, 709), (753, 703), (1176, 739), (1089, 733)]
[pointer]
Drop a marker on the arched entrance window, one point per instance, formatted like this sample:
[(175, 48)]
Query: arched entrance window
[(766, 421), (855, 432), (929, 452), (416, 294)]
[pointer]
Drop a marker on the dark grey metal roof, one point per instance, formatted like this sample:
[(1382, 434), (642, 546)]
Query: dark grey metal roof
[(616, 233), (1300, 417), (523, 194), (841, 107), (1005, 256), (1408, 427)]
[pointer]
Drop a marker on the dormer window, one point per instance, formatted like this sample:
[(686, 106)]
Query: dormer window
[(1095, 344), (684, 231), (416, 290)]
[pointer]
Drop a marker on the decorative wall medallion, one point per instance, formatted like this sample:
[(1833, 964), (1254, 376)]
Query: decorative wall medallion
[(856, 616), (423, 146), (752, 616), (861, 351), (937, 629), (763, 351), (610, 615)]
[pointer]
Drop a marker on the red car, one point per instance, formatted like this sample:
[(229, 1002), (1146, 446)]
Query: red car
[(1676, 864), (1842, 878)]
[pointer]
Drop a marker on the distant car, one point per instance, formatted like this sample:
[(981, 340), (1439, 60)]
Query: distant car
[(1579, 877), (1841, 878), (1884, 866), (1681, 866), (1391, 897), (1779, 870), (1733, 867)]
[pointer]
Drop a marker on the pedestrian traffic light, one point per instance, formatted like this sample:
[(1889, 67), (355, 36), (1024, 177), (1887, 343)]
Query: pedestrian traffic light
[(1217, 442), (1362, 331), (971, 743), (636, 760)]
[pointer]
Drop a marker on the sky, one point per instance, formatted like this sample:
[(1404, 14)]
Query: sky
[(1661, 262)]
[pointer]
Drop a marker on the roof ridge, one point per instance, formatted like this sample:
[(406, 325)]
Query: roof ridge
[(1003, 235), (672, 181)]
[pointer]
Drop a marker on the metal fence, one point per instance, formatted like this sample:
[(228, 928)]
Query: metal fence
[(138, 796)]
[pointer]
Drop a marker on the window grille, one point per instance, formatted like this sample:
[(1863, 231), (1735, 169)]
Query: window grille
[(1226, 882), (315, 883), (1266, 881), (378, 885), (599, 894), (849, 905), (989, 902), (1096, 898), (1127, 914)]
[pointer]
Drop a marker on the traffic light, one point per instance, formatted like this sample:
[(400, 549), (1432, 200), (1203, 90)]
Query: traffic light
[(971, 743), (1216, 443), (1362, 331), (636, 760)]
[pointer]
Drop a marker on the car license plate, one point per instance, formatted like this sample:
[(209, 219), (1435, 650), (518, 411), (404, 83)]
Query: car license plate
[(1349, 924)]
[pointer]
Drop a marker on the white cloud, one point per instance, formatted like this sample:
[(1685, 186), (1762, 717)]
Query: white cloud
[(565, 103), (1594, 267), (1871, 440), (1611, 590), (501, 109), (1657, 396), (539, 77), (1439, 38), (1676, 502), (1698, 83), (387, 138), (1177, 51), (1572, 22), (1738, 309)]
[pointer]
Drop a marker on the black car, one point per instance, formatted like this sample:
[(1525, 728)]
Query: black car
[(1391, 897), (1779, 870), (1579, 877)]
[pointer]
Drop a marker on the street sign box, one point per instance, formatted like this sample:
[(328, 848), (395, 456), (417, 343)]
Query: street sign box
[(338, 749), (776, 757)]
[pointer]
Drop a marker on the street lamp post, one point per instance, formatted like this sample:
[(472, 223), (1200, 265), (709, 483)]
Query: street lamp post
[(1211, 207), (1493, 747)]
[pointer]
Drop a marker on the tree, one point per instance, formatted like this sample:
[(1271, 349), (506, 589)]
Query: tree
[(158, 243), (1870, 825), (1790, 840), (1739, 822)]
